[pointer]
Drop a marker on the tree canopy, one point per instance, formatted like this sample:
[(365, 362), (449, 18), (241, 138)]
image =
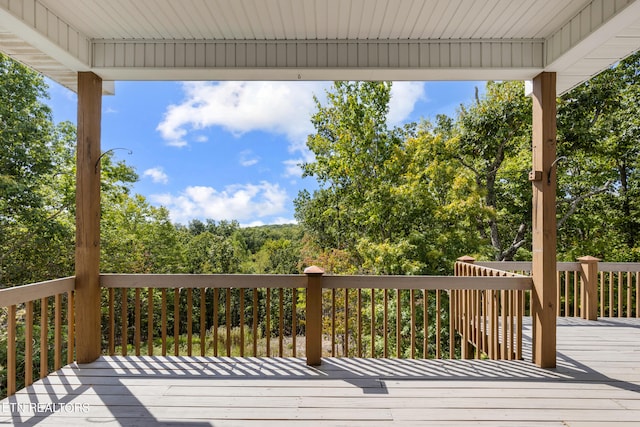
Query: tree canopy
[(390, 200)]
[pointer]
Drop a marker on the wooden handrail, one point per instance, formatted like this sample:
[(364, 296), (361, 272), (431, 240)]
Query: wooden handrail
[(22, 294), (251, 281), (220, 281), (427, 282)]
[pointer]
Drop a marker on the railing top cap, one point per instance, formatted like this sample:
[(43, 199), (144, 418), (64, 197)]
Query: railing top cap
[(589, 258), (313, 270)]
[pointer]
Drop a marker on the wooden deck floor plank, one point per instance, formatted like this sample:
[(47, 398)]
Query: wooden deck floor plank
[(517, 415), (597, 382)]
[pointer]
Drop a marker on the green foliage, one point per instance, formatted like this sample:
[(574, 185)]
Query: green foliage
[(599, 183), (387, 198), (491, 140), (36, 231)]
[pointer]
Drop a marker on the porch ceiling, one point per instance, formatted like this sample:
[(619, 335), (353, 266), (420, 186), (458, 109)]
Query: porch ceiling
[(319, 39)]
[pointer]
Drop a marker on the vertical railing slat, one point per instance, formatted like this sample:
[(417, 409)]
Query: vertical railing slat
[(228, 320), (44, 352), (216, 309), (203, 321), (611, 293), (255, 322), (137, 315), (425, 324), (333, 322), (398, 324), (620, 288), (111, 321), (150, 306), (629, 302), (294, 321), (280, 322), (11, 350), (241, 322), (71, 322), (373, 323), (412, 299), (124, 314), (57, 332), (176, 322), (359, 320), (438, 332), (346, 322), (28, 344), (385, 324), (163, 320), (189, 322), (268, 322)]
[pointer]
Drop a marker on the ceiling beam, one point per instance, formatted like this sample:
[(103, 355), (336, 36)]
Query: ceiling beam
[(318, 60)]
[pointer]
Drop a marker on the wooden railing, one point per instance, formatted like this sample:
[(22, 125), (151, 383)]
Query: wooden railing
[(251, 315), (309, 315), (426, 330), (48, 334), (489, 320), (232, 315), (616, 287)]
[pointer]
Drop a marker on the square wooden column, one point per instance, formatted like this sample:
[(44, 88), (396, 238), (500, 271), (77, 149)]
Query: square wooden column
[(87, 294), (543, 177)]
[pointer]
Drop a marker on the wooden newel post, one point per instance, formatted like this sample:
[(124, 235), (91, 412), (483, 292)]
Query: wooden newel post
[(456, 298), (87, 292), (314, 315), (589, 275)]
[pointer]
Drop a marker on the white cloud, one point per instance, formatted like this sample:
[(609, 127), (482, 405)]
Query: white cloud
[(292, 168), (239, 201), (277, 107), (157, 175), (276, 221), (404, 96), (247, 158), (241, 107)]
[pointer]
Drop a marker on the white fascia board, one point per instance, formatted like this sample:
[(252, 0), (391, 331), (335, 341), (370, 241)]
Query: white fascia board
[(599, 35), (315, 74)]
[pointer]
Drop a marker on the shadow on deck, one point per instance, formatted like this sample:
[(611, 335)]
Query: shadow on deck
[(597, 381)]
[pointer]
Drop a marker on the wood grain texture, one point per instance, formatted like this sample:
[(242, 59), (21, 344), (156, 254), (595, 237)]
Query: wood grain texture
[(87, 258), (596, 382)]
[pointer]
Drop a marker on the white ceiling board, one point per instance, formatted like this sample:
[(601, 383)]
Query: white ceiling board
[(471, 39)]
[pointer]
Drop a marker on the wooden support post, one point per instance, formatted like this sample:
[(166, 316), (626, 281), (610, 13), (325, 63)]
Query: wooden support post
[(465, 319), (543, 177), (589, 266), (87, 300), (314, 315)]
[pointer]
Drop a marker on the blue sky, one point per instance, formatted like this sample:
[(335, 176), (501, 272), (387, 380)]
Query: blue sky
[(229, 150)]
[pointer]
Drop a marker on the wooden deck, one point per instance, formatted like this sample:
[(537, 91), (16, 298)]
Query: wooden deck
[(597, 382)]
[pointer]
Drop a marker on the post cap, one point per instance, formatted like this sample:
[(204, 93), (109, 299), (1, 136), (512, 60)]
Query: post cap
[(467, 259), (313, 270), (589, 259)]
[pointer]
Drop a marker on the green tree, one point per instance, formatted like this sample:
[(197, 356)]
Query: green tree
[(280, 256), (388, 197), (352, 144), (599, 180), (36, 227), (491, 139)]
